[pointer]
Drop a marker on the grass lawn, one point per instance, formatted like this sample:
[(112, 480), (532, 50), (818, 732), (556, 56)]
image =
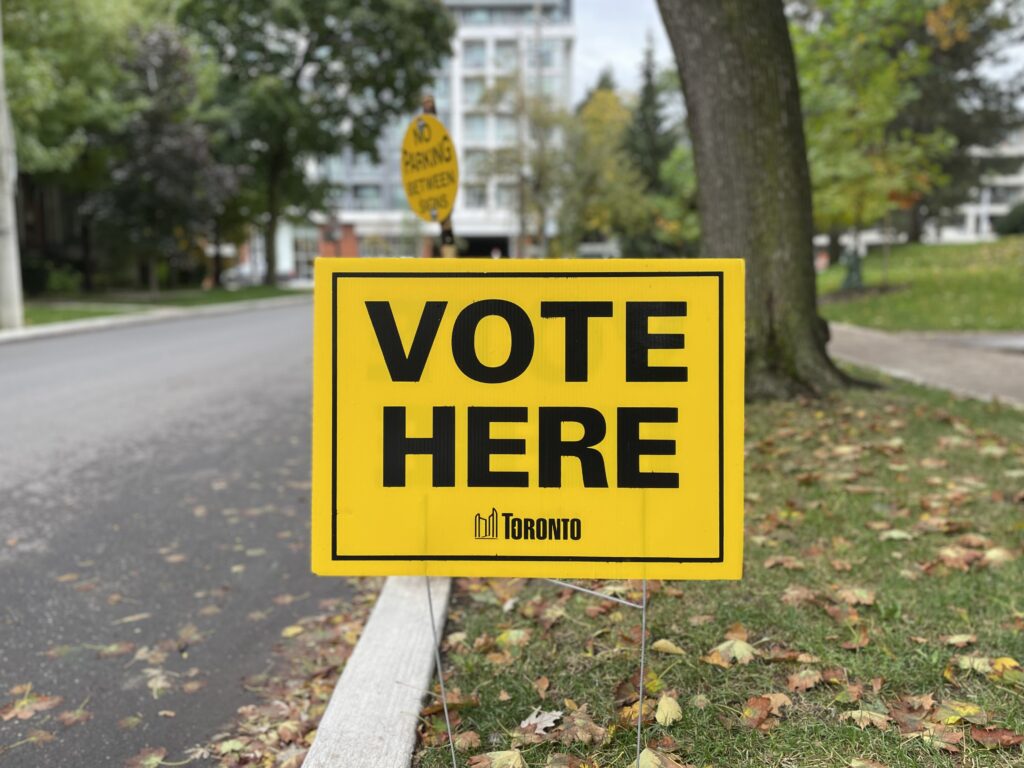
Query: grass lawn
[(55, 310), (883, 596), (935, 287), (190, 298), (38, 313)]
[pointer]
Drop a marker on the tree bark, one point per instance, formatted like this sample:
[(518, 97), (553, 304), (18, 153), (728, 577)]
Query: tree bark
[(273, 203), (12, 314), (739, 79), (218, 258), (915, 223)]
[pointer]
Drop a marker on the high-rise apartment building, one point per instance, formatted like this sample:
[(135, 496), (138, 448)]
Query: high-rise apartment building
[(499, 45)]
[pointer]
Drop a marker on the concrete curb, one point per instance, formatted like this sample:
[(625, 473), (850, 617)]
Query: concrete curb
[(47, 330), (370, 721)]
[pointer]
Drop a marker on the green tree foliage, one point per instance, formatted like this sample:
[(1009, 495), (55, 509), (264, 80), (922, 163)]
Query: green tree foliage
[(604, 192), (649, 139), (306, 78), (959, 93), (856, 75), (166, 187), (676, 224), (1013, 222), (62, 79)]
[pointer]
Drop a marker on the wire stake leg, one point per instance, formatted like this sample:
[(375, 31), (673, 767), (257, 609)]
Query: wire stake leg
[(440, 672), (643, 654)]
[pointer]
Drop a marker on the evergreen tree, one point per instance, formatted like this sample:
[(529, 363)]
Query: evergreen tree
[(649, 140)]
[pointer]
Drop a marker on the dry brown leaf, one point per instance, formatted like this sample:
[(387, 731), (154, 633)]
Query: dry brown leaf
[(866, 717), (804, 680), (995, 738)]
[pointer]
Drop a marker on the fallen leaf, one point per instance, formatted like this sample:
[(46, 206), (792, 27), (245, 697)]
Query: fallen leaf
[(994, 738), (513, 638), (653, 758), (467, 740), (541, 721), (541, 685), (667, 646), (725, 654), (147, 758), (755, 711), (860, 762), (511, 758), (803, 680), (74, 717), (797, 595), (856, 596), (866, 717), (28, 705), (292, 631), (133, 618), (778, 701), (577, 725), (668, 711), (959, 641)]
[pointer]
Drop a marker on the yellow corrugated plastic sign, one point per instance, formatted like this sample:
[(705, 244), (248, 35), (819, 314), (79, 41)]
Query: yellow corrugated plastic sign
[(559, 418)]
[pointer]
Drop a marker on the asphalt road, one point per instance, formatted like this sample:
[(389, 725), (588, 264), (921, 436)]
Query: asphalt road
[(154, 487)]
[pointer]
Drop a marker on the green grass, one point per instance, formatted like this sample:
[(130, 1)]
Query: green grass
[(935, 287), (39, 313), (59, 309), (823, 480), (192, 298)]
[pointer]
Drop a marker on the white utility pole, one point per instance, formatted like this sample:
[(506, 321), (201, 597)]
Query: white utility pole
[(12, 314)]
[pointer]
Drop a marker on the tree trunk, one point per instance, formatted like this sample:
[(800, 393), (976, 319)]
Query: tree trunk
[(12, 314), (739, 79), (88, 268), (835, 247), (218, 258), (152, 276), (915, 223), (270, 236)]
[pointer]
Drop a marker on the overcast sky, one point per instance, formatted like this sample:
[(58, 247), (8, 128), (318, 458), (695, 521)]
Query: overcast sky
[(612, 33)]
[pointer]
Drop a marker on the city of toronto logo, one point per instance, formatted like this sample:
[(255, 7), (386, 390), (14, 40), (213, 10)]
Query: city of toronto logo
[(486, 527)]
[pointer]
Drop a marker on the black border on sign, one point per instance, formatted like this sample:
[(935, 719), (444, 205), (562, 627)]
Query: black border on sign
[(530, 558)]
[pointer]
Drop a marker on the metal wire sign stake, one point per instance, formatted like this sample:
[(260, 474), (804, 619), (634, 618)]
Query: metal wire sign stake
[(643, 656)]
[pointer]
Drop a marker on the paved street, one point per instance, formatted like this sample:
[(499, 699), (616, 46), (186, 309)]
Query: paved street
[(153, 491)]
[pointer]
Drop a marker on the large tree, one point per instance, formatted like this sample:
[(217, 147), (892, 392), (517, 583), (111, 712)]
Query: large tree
[(739, 79), (971, 90), (603, 192), (857, 72), (167, 188), (307, 78)]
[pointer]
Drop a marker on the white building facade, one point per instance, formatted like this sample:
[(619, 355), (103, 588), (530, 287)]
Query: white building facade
[(495, 43), (974, 221)]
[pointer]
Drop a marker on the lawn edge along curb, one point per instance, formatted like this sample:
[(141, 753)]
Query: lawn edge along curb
[(371, 719), (46, 330)]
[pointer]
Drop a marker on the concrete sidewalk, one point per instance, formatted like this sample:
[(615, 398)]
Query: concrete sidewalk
[(982, 366)]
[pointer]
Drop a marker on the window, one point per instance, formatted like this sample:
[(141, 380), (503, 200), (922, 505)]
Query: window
[(474, 54), (506, 55), (476, 196), (544, 55), (472, 91), (307, 246), (366, 197), (476, 129), (506, 128), (476, 16), (442, 91), (364, 162), (507, 196), (476, 162), (550, 85)]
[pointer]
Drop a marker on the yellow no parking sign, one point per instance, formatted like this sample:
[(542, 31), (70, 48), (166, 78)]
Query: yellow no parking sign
[(569, 418)]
